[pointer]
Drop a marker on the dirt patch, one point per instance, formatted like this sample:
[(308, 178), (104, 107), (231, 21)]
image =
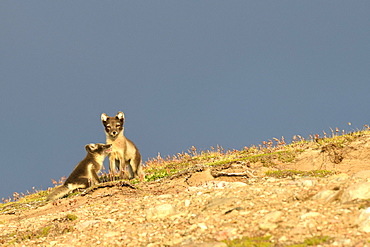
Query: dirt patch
[(349, 157)]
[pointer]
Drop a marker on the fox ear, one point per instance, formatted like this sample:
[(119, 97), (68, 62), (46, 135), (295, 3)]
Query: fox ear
[(90, 147), (104, 117), (120, 115)]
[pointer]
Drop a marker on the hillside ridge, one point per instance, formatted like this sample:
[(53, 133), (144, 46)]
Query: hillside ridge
[(308, 192)]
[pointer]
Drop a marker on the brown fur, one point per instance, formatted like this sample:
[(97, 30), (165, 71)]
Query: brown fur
[(85, 173), (124, 152)]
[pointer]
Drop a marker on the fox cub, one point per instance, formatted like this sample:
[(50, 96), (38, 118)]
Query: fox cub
[(85, 173), (124, 152)]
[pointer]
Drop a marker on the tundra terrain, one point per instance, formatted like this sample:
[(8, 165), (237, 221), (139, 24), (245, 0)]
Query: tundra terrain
[(312, 192)]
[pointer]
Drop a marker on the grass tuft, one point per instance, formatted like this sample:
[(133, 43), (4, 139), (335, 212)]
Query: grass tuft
[(293, 173), (250, 242)]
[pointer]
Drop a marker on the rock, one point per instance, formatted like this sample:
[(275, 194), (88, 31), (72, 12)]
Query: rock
[(267, 226), (364, 215), (362, 174), (200, 178), (269, 220), (174, 240), (226, 233), (310, 215), (308, 183), (160, 211), (237, 184), (338, 177), (356, 191), (165, 196), (219, 201), (283, 239), (365, 226), (86, 224), (327, 196), (111, 234), (274, 216), (363, 220)]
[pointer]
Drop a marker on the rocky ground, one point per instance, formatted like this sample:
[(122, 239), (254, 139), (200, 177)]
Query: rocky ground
[(210, 206)]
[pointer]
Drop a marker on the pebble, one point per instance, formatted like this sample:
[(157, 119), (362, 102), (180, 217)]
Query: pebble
[(187, 202), (310, 215), (308, 182), (273, 216), (86, 224), (160, 211)]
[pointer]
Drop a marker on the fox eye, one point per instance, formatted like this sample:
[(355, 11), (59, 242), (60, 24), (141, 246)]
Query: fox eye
[(108, 127), (118, 125)]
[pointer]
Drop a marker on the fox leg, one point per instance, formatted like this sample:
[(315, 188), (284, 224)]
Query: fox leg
[(130, 170), (137, 167), (112, 164)]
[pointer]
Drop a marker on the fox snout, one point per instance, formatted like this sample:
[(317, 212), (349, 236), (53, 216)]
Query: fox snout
[(113, 130), (108, 147), (113, 133)]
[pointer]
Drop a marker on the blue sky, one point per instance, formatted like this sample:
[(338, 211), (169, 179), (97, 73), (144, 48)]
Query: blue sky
[(185, 73)]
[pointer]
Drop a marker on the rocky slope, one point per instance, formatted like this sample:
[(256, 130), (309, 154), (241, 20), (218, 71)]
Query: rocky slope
[(220, 205)]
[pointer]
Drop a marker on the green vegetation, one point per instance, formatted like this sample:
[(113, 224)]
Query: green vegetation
[(156, 174), (264, 241), (250, 242), (292, 173), (71, 217), (44, 231), (315, 240)]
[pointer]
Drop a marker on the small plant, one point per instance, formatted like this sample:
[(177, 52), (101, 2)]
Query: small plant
[(44, 231), (71, 217), (250, 242), (315, 240), (291, 173), (157, 175)]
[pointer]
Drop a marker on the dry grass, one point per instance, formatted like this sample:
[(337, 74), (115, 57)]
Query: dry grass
[(268, 152)]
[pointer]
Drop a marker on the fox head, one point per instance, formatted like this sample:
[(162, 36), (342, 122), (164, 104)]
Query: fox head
[(113, 125), (98, 148)]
